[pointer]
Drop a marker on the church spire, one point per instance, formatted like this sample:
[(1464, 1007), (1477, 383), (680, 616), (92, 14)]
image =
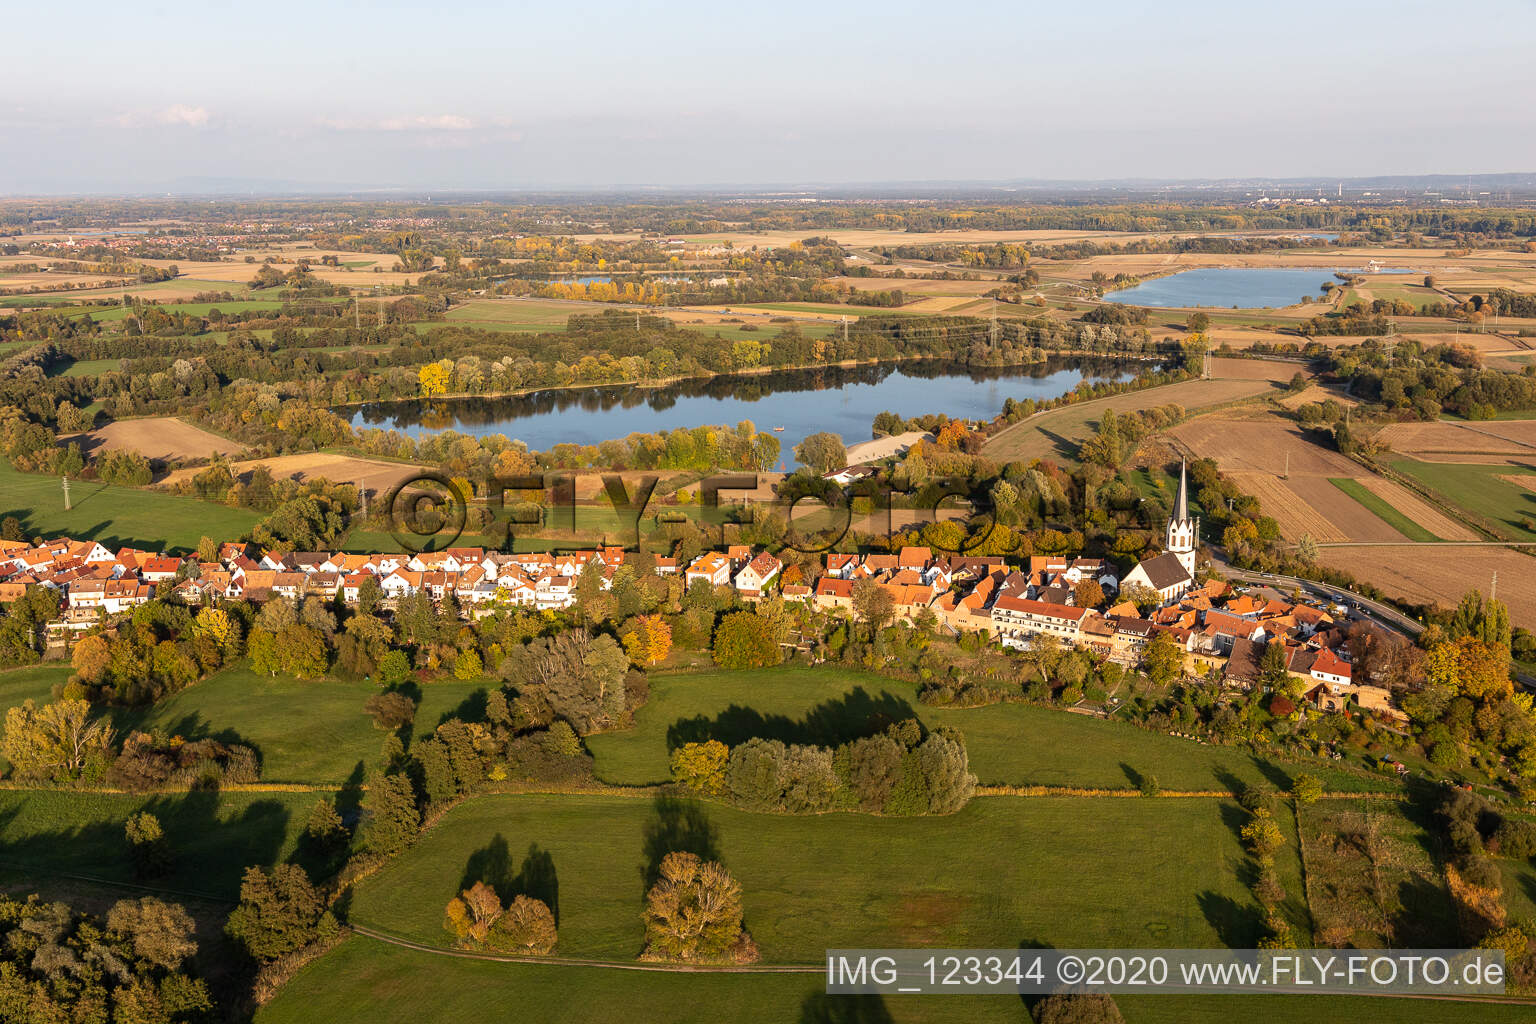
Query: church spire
[(1181, 503)]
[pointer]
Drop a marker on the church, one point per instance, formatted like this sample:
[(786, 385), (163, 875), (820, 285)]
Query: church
[(1171, 573)]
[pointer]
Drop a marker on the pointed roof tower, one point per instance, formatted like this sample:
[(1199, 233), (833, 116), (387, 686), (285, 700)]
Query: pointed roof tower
[(1181, 503)]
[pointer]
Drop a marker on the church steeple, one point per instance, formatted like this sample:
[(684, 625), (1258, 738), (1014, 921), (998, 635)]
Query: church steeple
[(1181, 503), (1183, 531)]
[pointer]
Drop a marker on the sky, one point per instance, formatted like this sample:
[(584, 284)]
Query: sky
[(112, 97)]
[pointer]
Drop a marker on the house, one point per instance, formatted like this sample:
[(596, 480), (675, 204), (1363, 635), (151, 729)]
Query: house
[(833, 594), (553, 592), (754, 577), (1014, 618), (1328, 667), (288, 584), (154, 570), (400, 583), (712, 568), (1242, 668)]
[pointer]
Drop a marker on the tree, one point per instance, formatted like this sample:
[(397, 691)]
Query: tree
[(823, 452), (1078, 1008), (434, 379), (91, 657), (1307, 789), (1261, 835), (467, 665), (390, 710), (873, 603), (580, 675), (159, 932), (1162, 659), (394, 668), (280, 911), (526, 927), (56, 741), (262, 648), (693, 912), (470, 914), (701, 766), (650, 641), (1088, 593), (1198, 323), (217, 626), (744, 640), (147, 845), (393, 819)]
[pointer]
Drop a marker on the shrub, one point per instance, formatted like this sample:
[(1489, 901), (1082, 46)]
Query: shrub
[(527, 927)]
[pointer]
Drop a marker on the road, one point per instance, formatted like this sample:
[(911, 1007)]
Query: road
[(1374, 611)]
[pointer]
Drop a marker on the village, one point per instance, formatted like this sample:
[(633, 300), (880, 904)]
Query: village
[(1075, 602)]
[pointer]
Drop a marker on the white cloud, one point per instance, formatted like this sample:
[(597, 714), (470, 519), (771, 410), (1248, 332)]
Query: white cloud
[(421, 123), (182, 114)]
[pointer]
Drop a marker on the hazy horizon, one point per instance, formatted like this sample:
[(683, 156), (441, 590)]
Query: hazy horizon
[(382, 96)]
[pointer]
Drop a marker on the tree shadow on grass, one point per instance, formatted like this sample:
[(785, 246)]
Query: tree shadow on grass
[(821, 1008), (209, 851), (676, 826), (1238, 926), (470, 709), (852, 716), (536, 876)]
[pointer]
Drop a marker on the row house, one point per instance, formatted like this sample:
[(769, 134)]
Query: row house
[(1014, 619)]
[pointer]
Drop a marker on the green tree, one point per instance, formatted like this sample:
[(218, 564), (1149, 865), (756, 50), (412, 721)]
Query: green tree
[(744, 640), (280, 911), (823, 451), (393, 819)]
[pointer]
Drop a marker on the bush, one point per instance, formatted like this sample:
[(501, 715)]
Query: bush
[(390, 710)]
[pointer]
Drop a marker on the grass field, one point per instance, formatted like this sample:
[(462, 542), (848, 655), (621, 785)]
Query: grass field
[(1002, 871), (92, 367), (1015, 744), (116, 516), (364, 981), (518, 314), (1057, 433), (215, 836), (1478, 488), (111, 313), (34, 682), (306, 732), (1399, 522)]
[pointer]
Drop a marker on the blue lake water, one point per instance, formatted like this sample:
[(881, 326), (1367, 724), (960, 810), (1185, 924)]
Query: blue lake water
[(843, 400), (1243, 287)]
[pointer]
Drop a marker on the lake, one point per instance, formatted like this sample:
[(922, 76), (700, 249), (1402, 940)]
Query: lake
[(1243, 287), (843, 400)]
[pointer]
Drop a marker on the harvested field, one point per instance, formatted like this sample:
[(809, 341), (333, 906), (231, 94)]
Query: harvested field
[(1275, 370), (1421, 511), (375, 475), (1294, 513), (160, 437), (1261, 445), (1440, 575), (1347, 515), (1525, 480), (1430, 441), (1317, 393)]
